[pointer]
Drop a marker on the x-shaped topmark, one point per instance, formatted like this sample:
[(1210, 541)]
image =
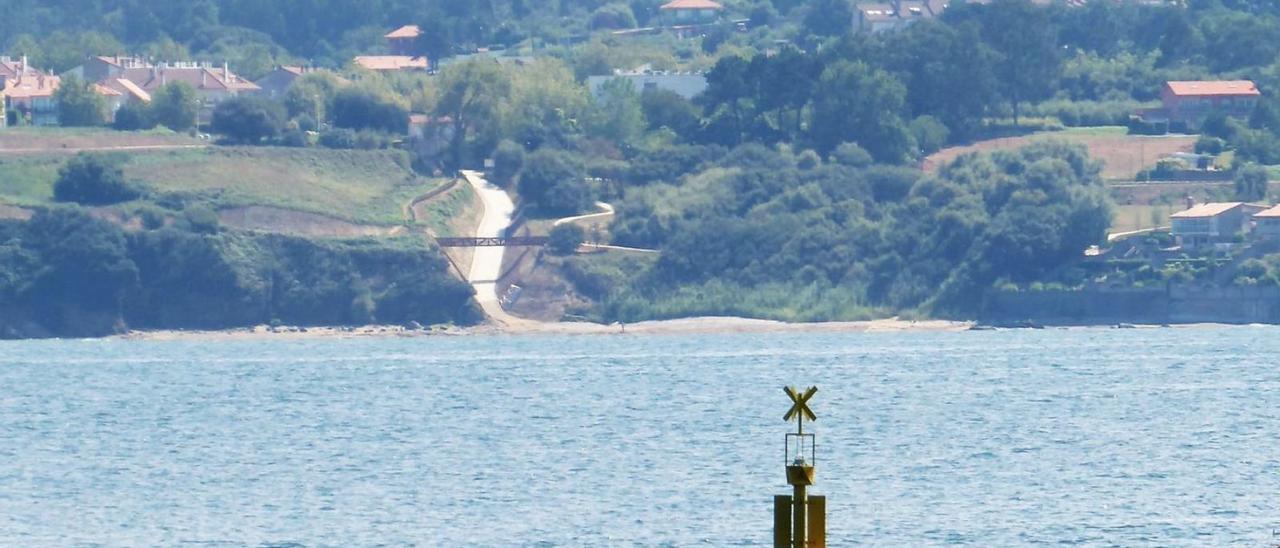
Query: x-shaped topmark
[(800, 405)]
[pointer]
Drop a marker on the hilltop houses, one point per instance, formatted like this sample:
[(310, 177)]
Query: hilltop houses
[(896, 14), (690, 12), (1211, 223), (402, 40), (212, 83), (684, 84), (1187, 104), (401, 43), (28, 94), (136, 80), (277, 82)]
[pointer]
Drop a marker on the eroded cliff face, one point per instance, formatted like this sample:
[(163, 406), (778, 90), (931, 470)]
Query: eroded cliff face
[(25, 322)]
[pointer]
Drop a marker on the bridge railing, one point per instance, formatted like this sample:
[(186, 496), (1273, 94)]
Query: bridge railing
[(493, 242)]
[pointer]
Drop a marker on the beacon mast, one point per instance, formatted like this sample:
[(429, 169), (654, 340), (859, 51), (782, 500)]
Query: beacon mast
[(799, 520)]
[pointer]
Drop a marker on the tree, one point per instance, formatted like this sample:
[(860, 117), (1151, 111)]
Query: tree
[(856, 103), (248, 120), (1022, 36), (829, 17), (618, 116), (665, 108), (86, 269), (471, 93), (79, 104), (312, 95), (545, 170), (133, 117), (435, 41), (355, 108), (948, 72), (92, 180), (544, 107), (1251, 183), (565, 239), (508, 158), (175, 106)]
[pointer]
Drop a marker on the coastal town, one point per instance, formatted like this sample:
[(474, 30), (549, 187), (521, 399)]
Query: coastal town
[(606, 161), (994, 272)]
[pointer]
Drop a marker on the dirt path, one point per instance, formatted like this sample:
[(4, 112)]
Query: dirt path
[(607, 211), (73, 150)]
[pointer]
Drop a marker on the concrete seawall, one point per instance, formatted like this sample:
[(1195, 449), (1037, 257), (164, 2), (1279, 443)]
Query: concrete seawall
[(1171, 304)]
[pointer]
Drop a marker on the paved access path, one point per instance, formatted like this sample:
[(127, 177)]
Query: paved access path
[(486, 264)]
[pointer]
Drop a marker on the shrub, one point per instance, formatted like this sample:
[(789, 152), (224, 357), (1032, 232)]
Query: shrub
[(1208, 144), (930, 134), (507, 161), (248, 120), (153, 218), (852, 155), (133, 117), (565, 239), (201, 219), (360, 109), (92, 180), (542, 182), (338, 138), (1251, 182), (808, 160)]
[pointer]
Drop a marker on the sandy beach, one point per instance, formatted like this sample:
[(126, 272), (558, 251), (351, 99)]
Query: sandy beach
[(529, 327)]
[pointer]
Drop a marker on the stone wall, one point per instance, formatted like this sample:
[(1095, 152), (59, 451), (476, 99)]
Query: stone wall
[(1175, 303)]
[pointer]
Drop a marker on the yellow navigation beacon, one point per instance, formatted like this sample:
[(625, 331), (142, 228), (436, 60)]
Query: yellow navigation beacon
[(799, 520)]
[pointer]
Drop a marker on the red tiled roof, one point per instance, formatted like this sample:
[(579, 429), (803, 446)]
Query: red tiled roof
[(691, 5), (1272, 213), (391, 62), (132, 89), (407, 31), (105, 91), (1223, 87), (1212, 209), (201, 78), (32, 86)]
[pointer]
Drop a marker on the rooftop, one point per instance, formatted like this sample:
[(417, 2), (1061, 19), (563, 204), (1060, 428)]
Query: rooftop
[(691, 5), (1221, 87), (32, 86), (407, 31), (391, 62), (1272, 213), (1211, 209)]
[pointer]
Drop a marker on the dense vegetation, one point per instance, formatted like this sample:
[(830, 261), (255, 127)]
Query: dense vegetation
[(765, 233), (68, 273)]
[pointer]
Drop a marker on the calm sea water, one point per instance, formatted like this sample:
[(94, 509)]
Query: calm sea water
[(1095, 437)]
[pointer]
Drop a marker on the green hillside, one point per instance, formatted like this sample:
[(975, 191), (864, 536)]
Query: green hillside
[(352, 185)]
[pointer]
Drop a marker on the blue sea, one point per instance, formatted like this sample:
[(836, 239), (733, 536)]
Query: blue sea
[(1163, 437)]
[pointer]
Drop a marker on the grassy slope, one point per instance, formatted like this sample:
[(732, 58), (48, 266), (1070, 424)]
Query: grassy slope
[(357, 186), (70, 139)]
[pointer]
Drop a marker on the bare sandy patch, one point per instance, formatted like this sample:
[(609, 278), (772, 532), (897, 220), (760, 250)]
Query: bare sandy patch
[(14, 212), (1123, 156)]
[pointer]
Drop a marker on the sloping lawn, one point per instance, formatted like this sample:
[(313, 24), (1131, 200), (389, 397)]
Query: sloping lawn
[(358, 186)]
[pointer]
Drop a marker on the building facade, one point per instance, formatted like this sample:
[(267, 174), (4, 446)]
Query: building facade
[(1211, 223), (690, 12), (1186, 104)]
